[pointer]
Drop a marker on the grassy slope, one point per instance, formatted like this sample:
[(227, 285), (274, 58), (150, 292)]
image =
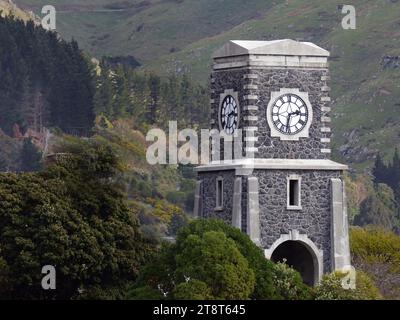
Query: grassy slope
[(7, 7), (179, 36)]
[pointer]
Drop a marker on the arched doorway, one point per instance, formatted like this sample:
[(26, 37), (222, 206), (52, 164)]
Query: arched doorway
[(297, 256)]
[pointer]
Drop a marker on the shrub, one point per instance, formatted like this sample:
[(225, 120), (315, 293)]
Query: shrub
[(289, 283), (192, 290), (331, 288), (262, 268), (377, 252), (212, 260)]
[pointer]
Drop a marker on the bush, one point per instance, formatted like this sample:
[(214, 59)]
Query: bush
[(289, 283), (262, 268), (331, 288), (377, 252), (212, 260), (192, 290)]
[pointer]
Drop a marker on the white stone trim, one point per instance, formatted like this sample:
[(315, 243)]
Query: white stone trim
[(253, 211), (251, 149), (288, 206), (326, 109), (274, 164), (317, 255), (250, 76), (325, 78), (325, 89), (237, 203), (250, 97), (255, 60), (325, 99), (250, 108), (250, 87), (250, 128), (325, 119), (222, 96), (326, 150), (274, 131), (251, 118), (325, 140), (251, 139), (325, 129), (340, 249)]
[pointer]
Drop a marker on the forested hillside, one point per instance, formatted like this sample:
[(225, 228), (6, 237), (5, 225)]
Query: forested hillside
[(78, 193), (46, 81), (178, 37)]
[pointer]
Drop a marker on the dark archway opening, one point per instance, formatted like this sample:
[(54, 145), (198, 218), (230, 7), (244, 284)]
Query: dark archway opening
[(298, 257)]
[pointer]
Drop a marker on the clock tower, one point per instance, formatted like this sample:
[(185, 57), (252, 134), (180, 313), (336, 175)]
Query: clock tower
[(284, 191)]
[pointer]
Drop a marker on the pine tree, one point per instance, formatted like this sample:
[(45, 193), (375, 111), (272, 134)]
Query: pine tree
[(30, 157), (380, 170)]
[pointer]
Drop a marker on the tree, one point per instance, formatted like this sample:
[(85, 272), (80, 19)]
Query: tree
[(264, 269), (378, 208), (30, 157), (73, 216), (379, 170), (216, 261), (209, 260)]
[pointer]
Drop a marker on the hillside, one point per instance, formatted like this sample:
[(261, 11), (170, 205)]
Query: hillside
[(179, 37), (8, 7)]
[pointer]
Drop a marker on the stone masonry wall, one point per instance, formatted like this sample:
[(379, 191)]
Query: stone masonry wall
[(314, 219), (268, 80)]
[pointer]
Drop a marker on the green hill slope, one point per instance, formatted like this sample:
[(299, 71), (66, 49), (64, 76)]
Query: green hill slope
[(179, 36)]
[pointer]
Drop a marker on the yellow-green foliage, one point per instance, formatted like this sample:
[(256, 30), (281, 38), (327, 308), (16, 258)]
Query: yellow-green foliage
[(375, 245), (331, 288), (164, 210)]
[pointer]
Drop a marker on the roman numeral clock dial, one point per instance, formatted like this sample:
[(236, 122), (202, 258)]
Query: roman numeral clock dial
[(289, 114), (229, 116)]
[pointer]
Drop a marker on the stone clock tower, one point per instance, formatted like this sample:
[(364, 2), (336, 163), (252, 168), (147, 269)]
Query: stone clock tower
[(285, 192)]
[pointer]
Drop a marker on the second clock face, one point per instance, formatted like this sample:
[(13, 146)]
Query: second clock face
[(229, 114), (290, 114)]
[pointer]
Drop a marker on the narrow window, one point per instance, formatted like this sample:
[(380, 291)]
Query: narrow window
[(294, 193), (220, 194)]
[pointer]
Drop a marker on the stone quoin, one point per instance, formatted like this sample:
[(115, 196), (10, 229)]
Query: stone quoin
[(286, 194)]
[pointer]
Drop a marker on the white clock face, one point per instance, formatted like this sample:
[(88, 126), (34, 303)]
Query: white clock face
[(229, 114), (289, 114)]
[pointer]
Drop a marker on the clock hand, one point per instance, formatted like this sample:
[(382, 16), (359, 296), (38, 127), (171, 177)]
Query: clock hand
[(288, 122), (297, 112)]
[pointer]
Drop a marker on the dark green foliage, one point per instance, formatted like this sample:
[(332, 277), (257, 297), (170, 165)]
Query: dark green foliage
[(378, 209), (390, 175), (192, 290), (123, 92), (263, 269), (212, 260), (45, 81), (72, 216), (31, 158)]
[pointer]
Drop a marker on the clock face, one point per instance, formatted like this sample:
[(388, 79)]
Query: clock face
[(229, 115), (289, 114)]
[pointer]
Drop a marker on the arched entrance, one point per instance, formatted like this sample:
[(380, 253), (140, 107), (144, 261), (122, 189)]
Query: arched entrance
[(301, 253), (297, 256)]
